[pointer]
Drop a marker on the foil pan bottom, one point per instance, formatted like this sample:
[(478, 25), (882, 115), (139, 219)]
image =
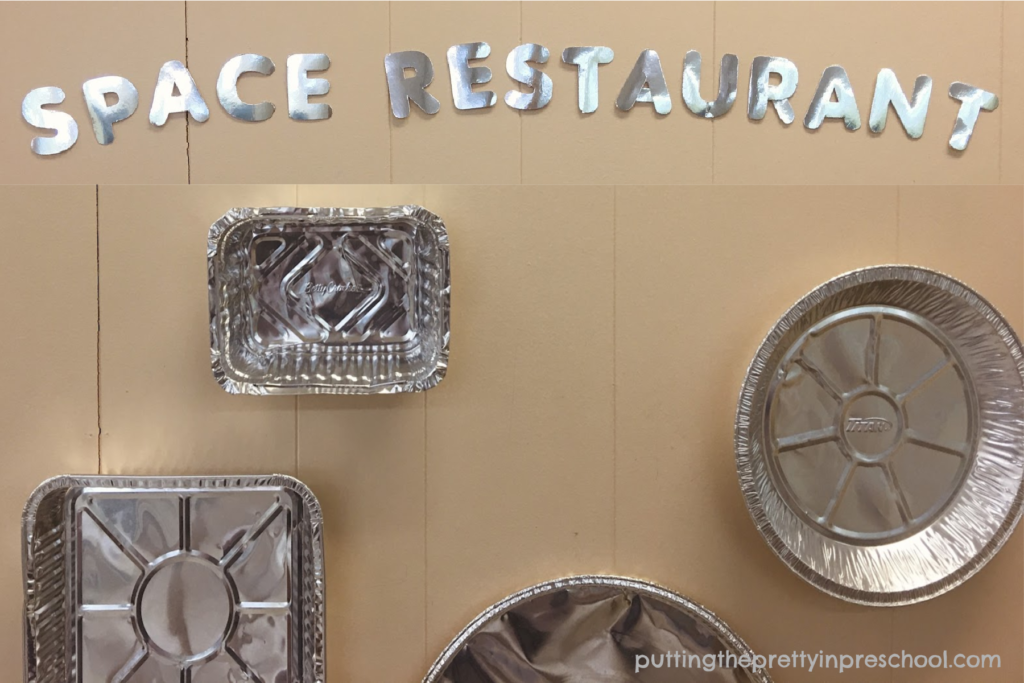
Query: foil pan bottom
[(165, 580)]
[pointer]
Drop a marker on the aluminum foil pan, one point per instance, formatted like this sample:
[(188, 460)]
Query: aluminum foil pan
[(328, 301), (593, 628), (879, 435), (165, 580)]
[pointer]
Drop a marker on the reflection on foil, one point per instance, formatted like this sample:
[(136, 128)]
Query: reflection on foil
[(880, 435), (590, 628), (168, 580), (344, 301)]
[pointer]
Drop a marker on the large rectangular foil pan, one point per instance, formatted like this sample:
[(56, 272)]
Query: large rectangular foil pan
[(165, 580), (328, 300)]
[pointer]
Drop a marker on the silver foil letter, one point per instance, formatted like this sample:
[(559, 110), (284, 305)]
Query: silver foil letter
[(402, 89), (726, 86), (911, 114), (587, 60), (104, 116), (63, 123), (301, 87), (833, 81), (173, 75), (646, 83), (464, 76), (518, 68), (972, 101), (227, 87), (762, 91)]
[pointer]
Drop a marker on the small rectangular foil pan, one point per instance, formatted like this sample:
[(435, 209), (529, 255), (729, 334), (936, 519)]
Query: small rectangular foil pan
[(328, 300), (165, 580)]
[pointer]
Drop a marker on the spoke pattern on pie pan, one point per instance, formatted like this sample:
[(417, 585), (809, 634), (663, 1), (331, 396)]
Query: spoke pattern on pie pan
[(880, 435), (871, 427)]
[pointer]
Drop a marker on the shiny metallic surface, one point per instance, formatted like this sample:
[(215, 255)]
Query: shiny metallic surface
[(328, 301), (972, 101), (227, 87), (590, 628), (61, 122), (167, 579), (727, 80), (104, 116), (834, 81), (173, 75), (761, 90), (880, 435), (518, 67), (301, 87), (646, 83), (403, 88), (911, 113), (587, 60), (464, 76)]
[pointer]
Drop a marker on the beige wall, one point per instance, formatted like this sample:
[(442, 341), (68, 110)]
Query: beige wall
[(599, 337), (62, 44)]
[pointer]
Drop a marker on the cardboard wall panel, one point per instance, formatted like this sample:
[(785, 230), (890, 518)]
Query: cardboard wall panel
[(48, 417), (161, 410), (519, 434), (934, 227), (351, 146), (365, 457), (683, 344), (63, 44), (949, 42)]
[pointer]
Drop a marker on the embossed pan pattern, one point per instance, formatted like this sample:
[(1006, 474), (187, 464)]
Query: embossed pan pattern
[(879, 435), (592, 628), (328, 300), (165, 580)]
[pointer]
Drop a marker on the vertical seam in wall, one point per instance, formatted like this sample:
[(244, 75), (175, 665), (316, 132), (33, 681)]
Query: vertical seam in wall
[(892, 639), (188, 158), (898, 210), (520, 112), (99, 412), (615, 381), (714, 61), (391, 120), (1002, 80)]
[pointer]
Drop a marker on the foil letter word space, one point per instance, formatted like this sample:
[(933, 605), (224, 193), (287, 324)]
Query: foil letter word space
[(173, 579), (328, 300)]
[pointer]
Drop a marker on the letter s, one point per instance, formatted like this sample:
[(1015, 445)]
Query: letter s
[(63, 123)]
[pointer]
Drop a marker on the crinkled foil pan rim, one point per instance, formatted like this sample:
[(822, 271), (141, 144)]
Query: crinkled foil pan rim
[(238, 215), (643, 587), (743, 438), (314, 637)]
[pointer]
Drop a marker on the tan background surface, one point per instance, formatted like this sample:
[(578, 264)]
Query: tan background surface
[(599, 339), (62, 44)]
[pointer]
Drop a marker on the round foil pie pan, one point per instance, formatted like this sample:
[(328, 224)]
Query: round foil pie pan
[(591, 628), (879, 435)]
